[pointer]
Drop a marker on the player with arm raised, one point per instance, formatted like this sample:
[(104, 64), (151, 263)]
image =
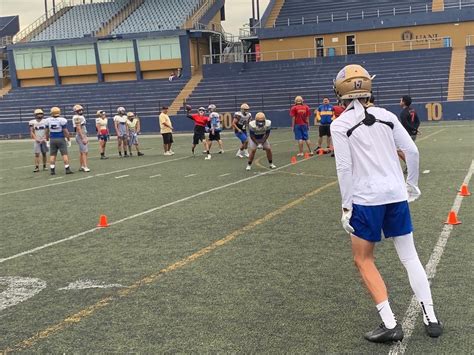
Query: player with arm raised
[(259, 132), (38, 134), (239, 124), (200, 122), (375, 196), (57, 136)]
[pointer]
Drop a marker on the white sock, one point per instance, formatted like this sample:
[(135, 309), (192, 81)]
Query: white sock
[(52, 166), (66, 166), (386, 314), (420, 285)]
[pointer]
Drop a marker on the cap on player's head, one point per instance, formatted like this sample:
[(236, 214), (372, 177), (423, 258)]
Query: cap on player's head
[(100, 113)]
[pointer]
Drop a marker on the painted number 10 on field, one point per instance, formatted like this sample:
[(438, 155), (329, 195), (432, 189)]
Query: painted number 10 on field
[(434, 111)]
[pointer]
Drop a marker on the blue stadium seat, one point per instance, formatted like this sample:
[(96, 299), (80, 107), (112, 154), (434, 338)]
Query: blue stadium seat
[(273, 85), (81, 20), (297, 12), (469, 78), (158, 16)]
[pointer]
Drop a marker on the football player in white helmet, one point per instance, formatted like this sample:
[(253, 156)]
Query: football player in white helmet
[(239, 124), (134, 131), (215, 129), (101, 125), (38, 134), (259, 132), (375, 196), (58, 138), (80, 126), (121, 128)]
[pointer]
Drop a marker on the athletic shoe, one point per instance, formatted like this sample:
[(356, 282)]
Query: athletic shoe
[(316, 149), (221, 151), (86, 169), (311, 153), (204, 152), (383, 335), (81, 169), (273, 166), (434, 330), (332, 155), (126, 155), (171, 152), (300, 155), (36, 170), (246, 153), (52, 171), (45, 168), (167, 153), (140, 154), (68, 171), (248, 168), (103, 157), (131, 154), (208, 157), (239, 154)]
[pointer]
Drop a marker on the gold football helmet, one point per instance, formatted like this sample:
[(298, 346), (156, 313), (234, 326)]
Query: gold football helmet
[(353, 82), (77, 108), (55, 111), (39, 111), (260, 116), (244, 107)]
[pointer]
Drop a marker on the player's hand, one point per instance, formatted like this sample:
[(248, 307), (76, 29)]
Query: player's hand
[(414, 192), (47, 144), (345, 219), (68, 142)]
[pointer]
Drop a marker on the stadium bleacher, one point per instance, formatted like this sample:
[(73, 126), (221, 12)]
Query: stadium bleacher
[(469, 76), (80, 20), (144, 98), (158, 16), (297, 12), (272, 85)]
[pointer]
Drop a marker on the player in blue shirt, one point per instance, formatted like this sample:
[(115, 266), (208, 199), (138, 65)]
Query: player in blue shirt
[(324, 115)]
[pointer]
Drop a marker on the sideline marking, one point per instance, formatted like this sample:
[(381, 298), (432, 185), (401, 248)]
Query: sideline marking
[(190, 175), (122, 176), (414, 309), (89, 311), (92, 176), (226, 174), (140, 214), (87, 284), (154, 176), (56, 178)]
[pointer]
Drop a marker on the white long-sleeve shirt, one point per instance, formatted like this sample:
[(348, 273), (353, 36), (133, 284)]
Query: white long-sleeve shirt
[(367, 163)]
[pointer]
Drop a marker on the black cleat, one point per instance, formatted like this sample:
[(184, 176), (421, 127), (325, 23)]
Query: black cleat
[(36, 170), (68, 171), (103, 157), (140, 154), (434, 330), (52, 171), (383, 335)]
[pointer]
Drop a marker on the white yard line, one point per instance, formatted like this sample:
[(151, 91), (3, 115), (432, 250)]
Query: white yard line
[(154, 176), (91, 176), (190, 175), (122, 176), (227, 174), (414, 309), (184, 199), (56, 178)]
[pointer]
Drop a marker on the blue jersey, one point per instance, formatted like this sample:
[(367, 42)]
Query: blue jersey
[(56, 126), (325, 113)]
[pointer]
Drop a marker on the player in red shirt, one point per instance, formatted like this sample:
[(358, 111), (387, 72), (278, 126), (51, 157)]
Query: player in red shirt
[(200, 123), (300, 124)]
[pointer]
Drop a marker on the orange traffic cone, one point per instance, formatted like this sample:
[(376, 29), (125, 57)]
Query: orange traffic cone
[(103, 221), (293, 160), (306, 155), (452, 219), (321, 152), (464, 191)]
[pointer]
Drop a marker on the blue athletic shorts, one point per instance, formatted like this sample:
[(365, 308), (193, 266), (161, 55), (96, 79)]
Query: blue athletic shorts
[(242, 136), (301, 132), (369, 221)]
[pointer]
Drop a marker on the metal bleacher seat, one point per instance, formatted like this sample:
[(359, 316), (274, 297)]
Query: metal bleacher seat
[(469, 76)]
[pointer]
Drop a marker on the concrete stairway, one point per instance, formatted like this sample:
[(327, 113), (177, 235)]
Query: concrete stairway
[(185, 93), (457, 74)]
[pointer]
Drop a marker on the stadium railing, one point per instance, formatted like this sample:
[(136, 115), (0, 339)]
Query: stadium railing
[(365, 48), (395, 11)]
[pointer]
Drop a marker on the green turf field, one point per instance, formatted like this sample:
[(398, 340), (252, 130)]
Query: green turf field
[(205, 257)]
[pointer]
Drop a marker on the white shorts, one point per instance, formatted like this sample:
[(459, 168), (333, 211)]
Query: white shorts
[(40, 148), (252, 145)]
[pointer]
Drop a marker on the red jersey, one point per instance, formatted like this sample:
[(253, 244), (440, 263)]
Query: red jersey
[(338, 110), (301, 114), (200, 120)]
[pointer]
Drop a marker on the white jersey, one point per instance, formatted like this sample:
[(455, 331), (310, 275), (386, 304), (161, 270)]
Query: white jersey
[(80, 120), (367, 163), (39, 127), (56, 126), (243, 120), (122, 124), (260, 132)]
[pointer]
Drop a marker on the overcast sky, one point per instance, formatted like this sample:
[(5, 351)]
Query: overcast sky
[(237, 11)]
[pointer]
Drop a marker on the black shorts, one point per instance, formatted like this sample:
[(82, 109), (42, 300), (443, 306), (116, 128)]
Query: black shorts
[(199, 134), (167, 138), (215, 137), (325, 130), (57, 144)]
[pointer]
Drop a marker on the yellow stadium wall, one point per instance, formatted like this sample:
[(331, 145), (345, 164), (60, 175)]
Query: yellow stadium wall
[(198, 48), (83, 74), (301, 45), (25, 83), (35, 73), (119, 72), (83, 79)]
